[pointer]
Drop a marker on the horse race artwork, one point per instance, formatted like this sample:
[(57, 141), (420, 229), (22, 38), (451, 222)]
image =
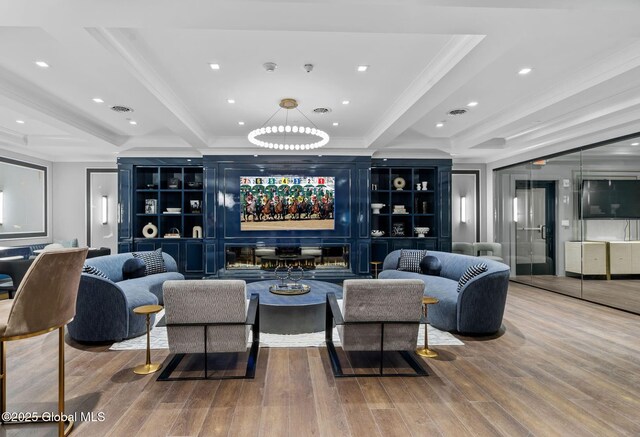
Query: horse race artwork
[(287, 203)]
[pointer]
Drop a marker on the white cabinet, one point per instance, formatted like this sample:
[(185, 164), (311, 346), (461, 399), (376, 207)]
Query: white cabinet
[(624, 257), (588, 257)]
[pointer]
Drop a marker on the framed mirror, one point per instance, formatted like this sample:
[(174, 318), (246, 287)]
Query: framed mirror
[(23, 199)]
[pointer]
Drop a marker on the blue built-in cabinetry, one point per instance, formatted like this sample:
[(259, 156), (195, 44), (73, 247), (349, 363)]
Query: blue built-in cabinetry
[(416, 195), (207, 193)]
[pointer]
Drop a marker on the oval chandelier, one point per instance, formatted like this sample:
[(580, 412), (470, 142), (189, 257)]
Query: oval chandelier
[(308, 133)]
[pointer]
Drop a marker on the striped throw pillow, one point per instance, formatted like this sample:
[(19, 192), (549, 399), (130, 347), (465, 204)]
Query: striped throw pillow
[(410, 260), (153, 260), (93, 271), (471, 273)]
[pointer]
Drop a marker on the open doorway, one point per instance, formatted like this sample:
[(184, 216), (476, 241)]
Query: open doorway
[(102, 208)]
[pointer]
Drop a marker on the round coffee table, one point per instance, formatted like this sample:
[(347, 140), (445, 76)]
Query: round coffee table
[(280, 314)]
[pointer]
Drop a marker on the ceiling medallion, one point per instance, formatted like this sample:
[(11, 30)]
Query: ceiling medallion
[(300, 134)]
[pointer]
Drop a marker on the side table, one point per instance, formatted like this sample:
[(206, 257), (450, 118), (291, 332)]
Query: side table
[(425, 351), (375, 265), (148, 367)]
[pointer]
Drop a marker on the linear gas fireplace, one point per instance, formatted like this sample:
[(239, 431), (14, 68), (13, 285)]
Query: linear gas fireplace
[(271, 257)]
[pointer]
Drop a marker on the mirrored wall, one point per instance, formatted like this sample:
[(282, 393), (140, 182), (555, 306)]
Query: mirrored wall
[(570, 223)]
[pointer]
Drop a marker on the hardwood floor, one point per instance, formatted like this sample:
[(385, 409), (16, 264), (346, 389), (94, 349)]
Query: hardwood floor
[(562, 367)]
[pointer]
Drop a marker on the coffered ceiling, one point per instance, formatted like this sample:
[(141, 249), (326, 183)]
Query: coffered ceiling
[(425, 59)]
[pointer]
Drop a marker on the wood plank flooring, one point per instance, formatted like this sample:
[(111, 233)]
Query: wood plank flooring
[(562, 367)]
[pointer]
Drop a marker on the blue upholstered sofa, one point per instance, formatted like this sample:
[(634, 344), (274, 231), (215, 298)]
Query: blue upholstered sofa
[(104, 310), (477, 309)]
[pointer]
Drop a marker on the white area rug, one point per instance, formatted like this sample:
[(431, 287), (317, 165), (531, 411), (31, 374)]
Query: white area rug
[(315, 339)]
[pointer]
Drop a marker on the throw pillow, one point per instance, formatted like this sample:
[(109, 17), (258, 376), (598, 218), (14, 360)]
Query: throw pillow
[(134, 268), (93, 271), (153, 261), (430, 265), (471, 273), (410, 260)]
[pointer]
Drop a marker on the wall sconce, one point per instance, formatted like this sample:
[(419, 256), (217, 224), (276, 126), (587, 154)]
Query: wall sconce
[(1, 207), (463, 209), (105, 210), (515, 209)]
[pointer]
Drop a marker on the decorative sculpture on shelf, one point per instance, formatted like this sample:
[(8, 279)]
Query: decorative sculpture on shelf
[(150, 231), (197, 232), (399, 183)]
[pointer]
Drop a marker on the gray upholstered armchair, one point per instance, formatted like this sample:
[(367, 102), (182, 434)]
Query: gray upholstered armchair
[(207, 316), (379, 315)]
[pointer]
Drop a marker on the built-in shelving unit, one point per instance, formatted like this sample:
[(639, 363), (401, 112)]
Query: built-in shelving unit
[(415, 194)]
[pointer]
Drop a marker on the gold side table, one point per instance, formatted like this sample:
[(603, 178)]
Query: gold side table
[(375, 265), (425, 351), (148, 367)]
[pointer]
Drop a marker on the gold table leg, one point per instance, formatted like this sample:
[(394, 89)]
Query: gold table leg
[(425, 351), (148, 367)]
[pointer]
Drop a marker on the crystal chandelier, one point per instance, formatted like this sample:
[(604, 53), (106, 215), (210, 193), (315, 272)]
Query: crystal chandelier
[(301, 137)]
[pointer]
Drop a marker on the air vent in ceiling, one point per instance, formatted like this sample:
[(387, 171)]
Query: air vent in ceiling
[(322, 110), (119, 108), (455, 112)]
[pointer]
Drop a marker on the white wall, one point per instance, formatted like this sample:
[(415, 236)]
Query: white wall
[(48, 165), (69, 199), (485, 223)]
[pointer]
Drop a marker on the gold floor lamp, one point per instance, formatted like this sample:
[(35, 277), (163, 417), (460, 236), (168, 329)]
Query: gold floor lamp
[(45, 301)]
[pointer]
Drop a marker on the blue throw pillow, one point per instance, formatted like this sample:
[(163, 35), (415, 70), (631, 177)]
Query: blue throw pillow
[(471, 273), (430, 265), (134, 268), (153, 260)]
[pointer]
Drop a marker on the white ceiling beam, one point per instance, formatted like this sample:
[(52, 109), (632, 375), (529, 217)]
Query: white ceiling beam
[(31, 99), (11, 138), (119, 42)]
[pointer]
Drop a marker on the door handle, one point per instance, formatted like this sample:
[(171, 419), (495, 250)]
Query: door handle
[(543, 231), (539, 229)]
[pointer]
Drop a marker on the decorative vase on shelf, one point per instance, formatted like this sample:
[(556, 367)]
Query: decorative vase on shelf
[(399, 183), (418, 187), (150, 231), (376, 207), (421, 231), (424, 185), (197, 232)]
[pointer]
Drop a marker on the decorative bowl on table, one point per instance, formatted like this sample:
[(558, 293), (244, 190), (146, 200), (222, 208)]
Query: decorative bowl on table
[(376, 207), (377, 233), (174, 210), (421, 231)]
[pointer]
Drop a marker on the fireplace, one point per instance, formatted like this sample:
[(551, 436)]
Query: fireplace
[(270, 257)]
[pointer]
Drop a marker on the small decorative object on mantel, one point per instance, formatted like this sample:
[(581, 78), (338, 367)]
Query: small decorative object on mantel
[(424, 185), (399, 183), (376, 207), (397, 230), (197, 232), (377, 233), (421, 231), (174, 183), (150, 231), (173, 233)]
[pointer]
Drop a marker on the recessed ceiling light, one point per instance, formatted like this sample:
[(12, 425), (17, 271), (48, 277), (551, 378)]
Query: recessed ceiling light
[(345, 102), (335, 123), (42, 64), (20, 121), (439, 124), (98, 100), (241, 123), (635, 144), (524, 71), (215, 66), (472, 104), (133, 122), (362, 68), (230, 101)]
